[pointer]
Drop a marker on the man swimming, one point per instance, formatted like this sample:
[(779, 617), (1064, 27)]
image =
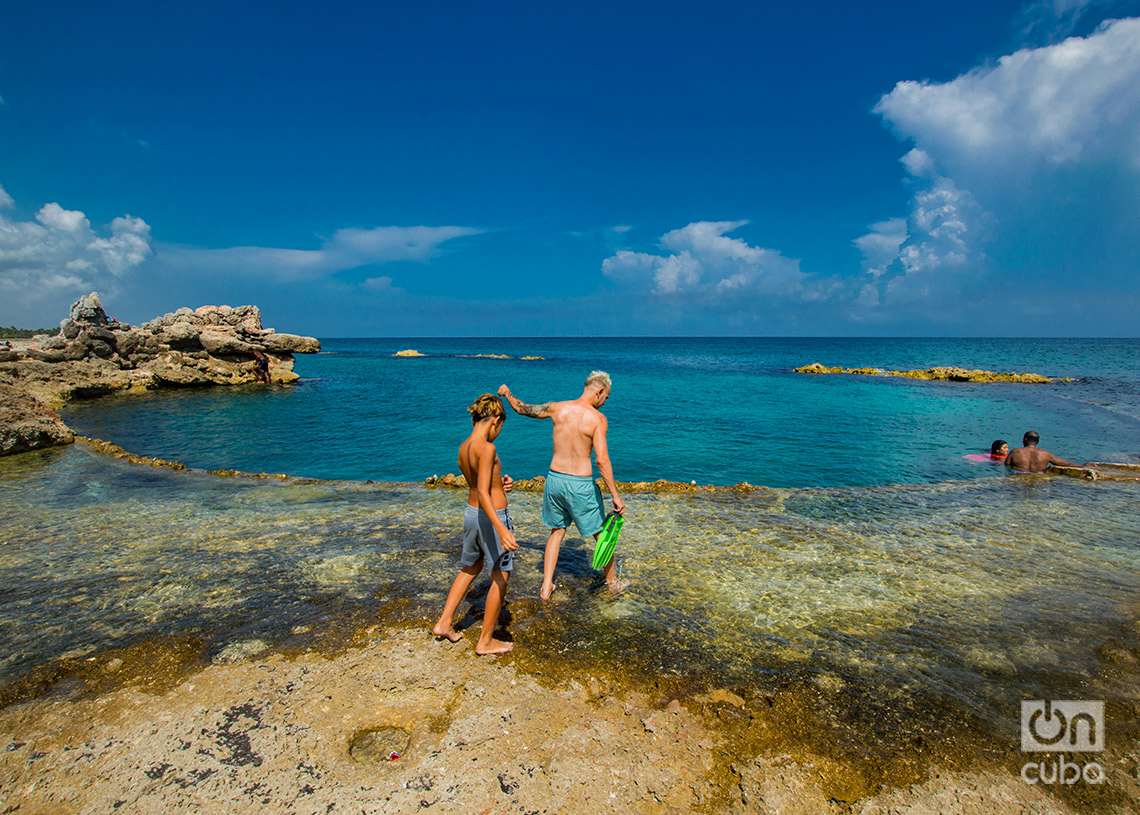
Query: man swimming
[(1030, 459), (570, 492)]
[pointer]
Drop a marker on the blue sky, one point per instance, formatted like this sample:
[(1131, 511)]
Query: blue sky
[(508, 168)]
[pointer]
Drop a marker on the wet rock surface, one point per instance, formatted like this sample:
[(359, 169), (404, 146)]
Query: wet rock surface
[(26, 424)]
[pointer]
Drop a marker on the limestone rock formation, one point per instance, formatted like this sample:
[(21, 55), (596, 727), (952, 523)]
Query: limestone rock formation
[(948, 374), (25, 424), (93, 355)]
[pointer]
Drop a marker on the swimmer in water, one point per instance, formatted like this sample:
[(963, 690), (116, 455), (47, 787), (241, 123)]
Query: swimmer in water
[(1030, 459), (999, 449)]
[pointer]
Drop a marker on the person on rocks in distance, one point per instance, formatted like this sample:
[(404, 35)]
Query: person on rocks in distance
[(487, 530), (570, 492), (261, 370)]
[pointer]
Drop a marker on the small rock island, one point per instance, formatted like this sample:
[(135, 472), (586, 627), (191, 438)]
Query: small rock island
[(93, 355), (946, 374)]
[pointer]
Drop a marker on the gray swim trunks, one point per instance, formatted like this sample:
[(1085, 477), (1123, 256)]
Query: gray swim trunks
[(573, 497), (480, 539)]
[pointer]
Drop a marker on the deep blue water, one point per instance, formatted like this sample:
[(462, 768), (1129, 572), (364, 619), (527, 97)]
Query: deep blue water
[(713, 410)]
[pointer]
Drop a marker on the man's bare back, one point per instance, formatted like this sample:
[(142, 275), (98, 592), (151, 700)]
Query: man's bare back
[(1032, 459), (579, 429), (575, 427)]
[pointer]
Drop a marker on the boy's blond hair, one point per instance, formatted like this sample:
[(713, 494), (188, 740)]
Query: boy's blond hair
[(485, 407)]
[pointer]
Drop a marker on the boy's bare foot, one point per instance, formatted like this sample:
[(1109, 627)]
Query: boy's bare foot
[(449, 632), (617, 585), (494, 647), (545, 593)]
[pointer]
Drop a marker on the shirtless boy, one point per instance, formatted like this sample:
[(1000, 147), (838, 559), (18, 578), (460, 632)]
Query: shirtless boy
[(487, 530), (1031, 459), (571, 493)]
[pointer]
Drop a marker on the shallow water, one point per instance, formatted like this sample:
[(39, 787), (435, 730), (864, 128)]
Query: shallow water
[(717, 411), (966, 595)]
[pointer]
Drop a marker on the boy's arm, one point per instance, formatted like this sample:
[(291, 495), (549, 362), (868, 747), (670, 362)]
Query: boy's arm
[(522, 408), (602, 456), (485, 465), (1057, 461)]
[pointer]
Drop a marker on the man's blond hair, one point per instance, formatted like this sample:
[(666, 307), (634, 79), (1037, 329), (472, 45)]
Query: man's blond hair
[(599, 378)]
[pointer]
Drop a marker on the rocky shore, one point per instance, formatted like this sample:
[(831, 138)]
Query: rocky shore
[(400, 722), (945, 374), (92, 355)]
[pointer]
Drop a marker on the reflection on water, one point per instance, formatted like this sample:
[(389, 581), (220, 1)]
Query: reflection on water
[(971, 594)]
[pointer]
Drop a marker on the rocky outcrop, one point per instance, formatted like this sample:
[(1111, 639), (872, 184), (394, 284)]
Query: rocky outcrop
[(947, 374), (25, 424), (93, 355)]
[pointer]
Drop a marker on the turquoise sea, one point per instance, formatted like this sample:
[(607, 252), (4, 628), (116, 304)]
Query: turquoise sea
[(717, 411), (881, 566)]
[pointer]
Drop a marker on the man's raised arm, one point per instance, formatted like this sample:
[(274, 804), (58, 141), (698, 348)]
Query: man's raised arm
[(522, 408)]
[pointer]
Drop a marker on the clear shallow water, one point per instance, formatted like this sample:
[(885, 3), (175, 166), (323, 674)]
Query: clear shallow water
[(970, 595), (882, 562), (717, 411)]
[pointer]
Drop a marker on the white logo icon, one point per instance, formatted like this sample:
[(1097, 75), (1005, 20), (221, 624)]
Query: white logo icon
[(1062, 726)]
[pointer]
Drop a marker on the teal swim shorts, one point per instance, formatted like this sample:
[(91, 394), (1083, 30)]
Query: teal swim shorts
[(573, 497)]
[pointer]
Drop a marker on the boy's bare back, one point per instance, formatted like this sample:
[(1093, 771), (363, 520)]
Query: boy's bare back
[(472, 452)]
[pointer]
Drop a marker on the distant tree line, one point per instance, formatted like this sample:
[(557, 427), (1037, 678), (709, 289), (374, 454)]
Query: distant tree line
[(12, 333)]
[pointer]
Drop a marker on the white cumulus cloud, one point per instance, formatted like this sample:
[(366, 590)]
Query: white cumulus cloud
[(700, 260), (1009, 158), (59, 256), (1073, 102), (346, 249)]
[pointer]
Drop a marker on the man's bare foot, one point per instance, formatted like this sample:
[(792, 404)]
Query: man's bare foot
[(449, 632), (545, 593), (617, 585), (494, 647)]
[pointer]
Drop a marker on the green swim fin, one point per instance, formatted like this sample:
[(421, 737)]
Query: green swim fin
[(607, 540)]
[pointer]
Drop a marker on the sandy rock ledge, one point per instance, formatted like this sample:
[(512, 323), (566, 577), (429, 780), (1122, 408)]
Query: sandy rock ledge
[(310, 733)]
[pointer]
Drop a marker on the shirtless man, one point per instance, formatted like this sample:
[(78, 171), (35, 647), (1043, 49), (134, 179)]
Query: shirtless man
[(1029, 459), (571, 492)]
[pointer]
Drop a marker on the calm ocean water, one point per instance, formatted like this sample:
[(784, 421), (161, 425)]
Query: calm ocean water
[(717, 411), (882, 568)]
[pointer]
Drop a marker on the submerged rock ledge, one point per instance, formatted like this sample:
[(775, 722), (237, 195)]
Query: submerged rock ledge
[(947, 374), (538, 483), (93, 355)]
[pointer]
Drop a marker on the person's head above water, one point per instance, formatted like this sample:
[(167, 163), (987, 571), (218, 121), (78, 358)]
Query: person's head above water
[(487, 406), (999, 447), (1031, 438)]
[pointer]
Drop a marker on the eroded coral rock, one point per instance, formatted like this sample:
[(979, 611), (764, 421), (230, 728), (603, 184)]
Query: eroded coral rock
[(28, 424), (945, 373)]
